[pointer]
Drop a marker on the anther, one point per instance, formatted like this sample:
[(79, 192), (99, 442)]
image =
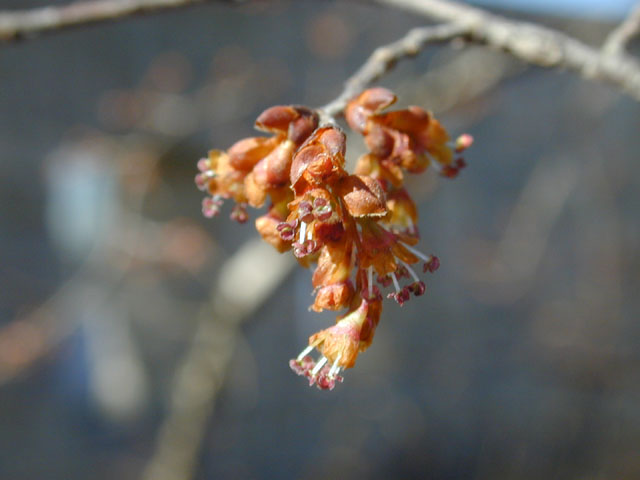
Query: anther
[(431, 262), (410, 271)]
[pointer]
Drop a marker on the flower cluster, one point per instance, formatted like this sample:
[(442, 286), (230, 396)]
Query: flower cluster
[(357, 229)]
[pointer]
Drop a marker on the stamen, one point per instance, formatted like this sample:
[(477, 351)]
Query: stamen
[(304, 210), (335, 368), (211, 206), (303, 231), (401, 271), (417, 253), (319, 366), (436, 166), (412, 229), (395, 282), (411, 272), (304, 353), (239, 213)]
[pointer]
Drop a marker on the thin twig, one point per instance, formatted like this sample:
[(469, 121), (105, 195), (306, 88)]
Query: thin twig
[(29, 23), (532, 43), (384, 58), (618, 39)]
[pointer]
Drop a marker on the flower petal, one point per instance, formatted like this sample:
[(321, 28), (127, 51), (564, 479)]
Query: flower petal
[(244, 154), (362, 195), (364, 105)]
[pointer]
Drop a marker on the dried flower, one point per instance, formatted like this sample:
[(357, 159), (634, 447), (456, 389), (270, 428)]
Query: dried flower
[(350, 226)]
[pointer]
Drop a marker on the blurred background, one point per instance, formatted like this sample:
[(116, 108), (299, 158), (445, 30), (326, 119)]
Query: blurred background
[(140, 340)]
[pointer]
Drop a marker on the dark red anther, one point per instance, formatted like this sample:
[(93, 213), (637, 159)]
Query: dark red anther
[(405, 293), (418, 288), (398, 297), (325, 382), (402, 272), (287, 231), (319, 202), (322, 213), (303, 249), (239, 213), (432, 265), (375, 294), (302, 367), (304, 211)]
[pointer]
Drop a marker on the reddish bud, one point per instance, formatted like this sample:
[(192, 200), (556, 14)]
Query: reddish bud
[(244, 154), (294, 121), (364, 105), (319, 160)]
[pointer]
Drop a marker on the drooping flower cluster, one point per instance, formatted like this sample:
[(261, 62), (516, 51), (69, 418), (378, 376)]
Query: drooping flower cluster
[(351, 227)]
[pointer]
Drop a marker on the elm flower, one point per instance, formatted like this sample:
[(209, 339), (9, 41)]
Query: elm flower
[(338, 346), (257, 167), (410, 139), (357, 230)]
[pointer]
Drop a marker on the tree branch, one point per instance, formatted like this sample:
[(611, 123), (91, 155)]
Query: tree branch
[(19, 25), (384, 59), (204, 366), (532, 43), (529, 42), (617, 40)]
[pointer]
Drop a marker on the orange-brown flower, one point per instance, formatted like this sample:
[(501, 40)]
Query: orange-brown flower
[(339, 345), (392, 258), (362, 196), (408, 139), (403, 215), (331, 277), (314, 219), (319, 161), (351, 226), (255, 167)]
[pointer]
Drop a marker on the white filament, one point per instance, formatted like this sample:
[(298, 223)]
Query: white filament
[(304, 353), (319, 366), (417, 253), (395, 281), (413, 274), (335, 368), (303, 231)]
